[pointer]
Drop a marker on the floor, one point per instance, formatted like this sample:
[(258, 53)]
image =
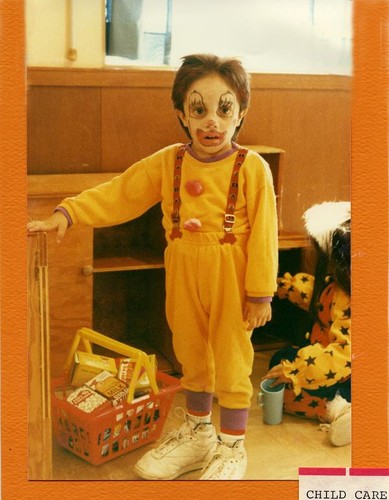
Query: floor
[(274, 452)]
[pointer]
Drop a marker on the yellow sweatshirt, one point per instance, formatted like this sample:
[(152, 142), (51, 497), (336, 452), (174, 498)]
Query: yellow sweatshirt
[(150, 181)]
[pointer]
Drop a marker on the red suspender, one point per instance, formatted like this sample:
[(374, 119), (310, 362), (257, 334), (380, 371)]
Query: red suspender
[(229, 217), (176, 232)]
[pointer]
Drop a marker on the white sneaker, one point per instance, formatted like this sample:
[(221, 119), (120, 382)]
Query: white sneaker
[(226, 463), (180, 451), (339, 432)]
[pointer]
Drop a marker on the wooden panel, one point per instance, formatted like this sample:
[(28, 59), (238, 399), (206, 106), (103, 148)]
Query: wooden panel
[(314, 129), (70, 291), (136, 122), (275, 159), (63, 130), (39, 412)]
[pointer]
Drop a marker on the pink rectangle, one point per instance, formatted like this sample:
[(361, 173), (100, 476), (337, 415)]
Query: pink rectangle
[(322, 471), (368, 472)]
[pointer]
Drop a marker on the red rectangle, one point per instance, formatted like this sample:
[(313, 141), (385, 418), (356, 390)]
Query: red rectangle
[(357, 471), (322, 471)]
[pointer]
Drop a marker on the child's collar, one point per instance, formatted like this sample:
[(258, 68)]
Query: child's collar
[(228, 153)]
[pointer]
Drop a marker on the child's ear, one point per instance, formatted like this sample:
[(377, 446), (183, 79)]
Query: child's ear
[(181, 116), (242, 114)]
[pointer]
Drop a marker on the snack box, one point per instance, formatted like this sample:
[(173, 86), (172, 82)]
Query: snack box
[(87, 365), (126, 369), (110, 387), (87, 400)]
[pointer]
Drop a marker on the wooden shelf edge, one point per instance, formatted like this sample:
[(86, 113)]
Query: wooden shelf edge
[(61, 185), (289, 239), (130, 263), (258, 148)]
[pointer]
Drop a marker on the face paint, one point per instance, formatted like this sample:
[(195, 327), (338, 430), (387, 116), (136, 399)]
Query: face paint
[(211, 114), (227, 104), (196, 105)]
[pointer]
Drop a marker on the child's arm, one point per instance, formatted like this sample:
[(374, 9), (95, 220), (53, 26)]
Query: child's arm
[(57, 222), (262, 246), (277, 373), (297, 289), (123, 198), (256, 314)]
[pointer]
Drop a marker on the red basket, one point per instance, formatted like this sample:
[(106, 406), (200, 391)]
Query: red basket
[(109, 433)]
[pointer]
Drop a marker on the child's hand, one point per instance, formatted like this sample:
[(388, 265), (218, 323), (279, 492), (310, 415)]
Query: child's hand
[(278, 374), (256, 314), (56, 222)]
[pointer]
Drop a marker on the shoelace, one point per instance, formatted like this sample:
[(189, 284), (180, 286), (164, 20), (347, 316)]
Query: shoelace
[(185, 431), (223, 453)]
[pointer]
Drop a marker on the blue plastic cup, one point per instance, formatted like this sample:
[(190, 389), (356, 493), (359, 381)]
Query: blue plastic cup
[(271, 399)]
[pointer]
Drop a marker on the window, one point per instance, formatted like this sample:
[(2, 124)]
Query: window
[(271, 36)]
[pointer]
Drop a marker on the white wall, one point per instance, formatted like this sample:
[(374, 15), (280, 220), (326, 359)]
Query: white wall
[(311, 44), (271, 36), (47, 33)]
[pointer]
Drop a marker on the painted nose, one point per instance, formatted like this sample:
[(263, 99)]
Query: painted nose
[(211, 123)]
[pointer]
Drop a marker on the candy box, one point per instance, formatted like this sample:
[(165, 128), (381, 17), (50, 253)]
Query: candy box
[(87, 400), (125, 373), (86, 365), (110, 387)]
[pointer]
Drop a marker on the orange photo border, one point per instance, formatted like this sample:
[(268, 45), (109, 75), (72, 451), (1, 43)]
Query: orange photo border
[(370, 275)]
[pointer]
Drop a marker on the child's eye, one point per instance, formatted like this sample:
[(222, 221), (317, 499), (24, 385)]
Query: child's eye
[(199, 111), (226, 110)]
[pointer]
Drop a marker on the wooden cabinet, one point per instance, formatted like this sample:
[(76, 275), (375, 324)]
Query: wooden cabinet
[(70, 288), (112, 279)]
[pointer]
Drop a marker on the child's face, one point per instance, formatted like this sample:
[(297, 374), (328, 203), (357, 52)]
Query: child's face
[(211, 114)]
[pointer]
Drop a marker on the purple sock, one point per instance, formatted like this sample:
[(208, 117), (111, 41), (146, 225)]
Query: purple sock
[(233, 419), (199, 401)]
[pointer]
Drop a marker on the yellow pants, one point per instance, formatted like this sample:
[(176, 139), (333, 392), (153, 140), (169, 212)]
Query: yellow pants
[(204, 303)]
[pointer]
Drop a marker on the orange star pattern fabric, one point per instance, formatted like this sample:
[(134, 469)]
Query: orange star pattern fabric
[(326, 361)]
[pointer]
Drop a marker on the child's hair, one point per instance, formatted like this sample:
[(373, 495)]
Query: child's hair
[(336, 262), (197, 66), (341, 256)]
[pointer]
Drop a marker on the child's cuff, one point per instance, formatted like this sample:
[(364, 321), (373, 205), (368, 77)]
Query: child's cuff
[(259, 300), (65, 213)]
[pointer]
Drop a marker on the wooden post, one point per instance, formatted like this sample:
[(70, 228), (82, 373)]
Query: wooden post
[(39, 405)]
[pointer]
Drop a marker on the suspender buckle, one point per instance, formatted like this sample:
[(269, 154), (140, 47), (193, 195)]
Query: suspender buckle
[(229, 220)]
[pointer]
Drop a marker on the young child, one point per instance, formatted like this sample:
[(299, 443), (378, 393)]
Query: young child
[(221, 260), (318, 373)]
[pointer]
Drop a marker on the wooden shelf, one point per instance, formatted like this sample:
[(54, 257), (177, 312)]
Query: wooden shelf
[(61, 185), (289, 239), (130, 263), (263, 149)]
